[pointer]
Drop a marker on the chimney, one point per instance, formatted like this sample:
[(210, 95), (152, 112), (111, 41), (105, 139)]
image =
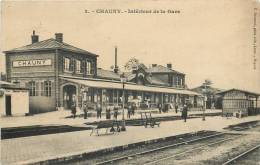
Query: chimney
[(116, 67), (59, 37), (154, 65), (169, 66), (35, 38)]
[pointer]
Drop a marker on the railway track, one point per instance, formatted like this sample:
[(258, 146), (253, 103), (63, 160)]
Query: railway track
[(122, 158), (231, 161), (184, 152)]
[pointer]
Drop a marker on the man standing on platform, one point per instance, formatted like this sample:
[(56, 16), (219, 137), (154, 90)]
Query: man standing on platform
[(185, 112), (85, 110), (176, 108), (99, 110)]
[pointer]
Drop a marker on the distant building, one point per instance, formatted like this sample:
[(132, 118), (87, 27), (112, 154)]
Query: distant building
[(58, 74), (240, 101), (214, 100)]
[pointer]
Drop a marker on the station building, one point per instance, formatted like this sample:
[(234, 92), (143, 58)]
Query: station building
[(58, 73)]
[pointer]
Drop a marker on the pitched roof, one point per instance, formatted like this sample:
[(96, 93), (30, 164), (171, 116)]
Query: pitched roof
[(50, 44), (107, 74), (152, 80), (8, 85), (156, 81), (162, 69), (245, 91)]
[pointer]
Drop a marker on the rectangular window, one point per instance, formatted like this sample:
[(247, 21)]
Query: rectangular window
[(89, 69), (177, 81), (78, 66), (67, 64), (47, 88), (32, 88)]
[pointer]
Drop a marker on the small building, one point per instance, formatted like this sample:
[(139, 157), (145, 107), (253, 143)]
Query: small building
[(14, 100), (239, 101)]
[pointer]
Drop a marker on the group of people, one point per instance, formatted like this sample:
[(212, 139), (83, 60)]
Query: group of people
[(184, 112), (130, 110), (98, 109)]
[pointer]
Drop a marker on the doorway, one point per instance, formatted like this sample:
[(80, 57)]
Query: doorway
[(8, 107), (69, 95)]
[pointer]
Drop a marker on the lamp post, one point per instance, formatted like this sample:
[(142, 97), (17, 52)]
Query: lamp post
[(204, 102), (123, 80)]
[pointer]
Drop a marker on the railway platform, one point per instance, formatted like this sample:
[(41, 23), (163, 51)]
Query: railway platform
[(64, 117), (49, 147)]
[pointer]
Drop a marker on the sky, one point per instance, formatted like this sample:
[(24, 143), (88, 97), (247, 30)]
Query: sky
[(208, 39)]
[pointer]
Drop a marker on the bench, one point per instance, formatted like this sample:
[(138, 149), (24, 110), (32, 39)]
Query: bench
[(149, 120), (108, 125)]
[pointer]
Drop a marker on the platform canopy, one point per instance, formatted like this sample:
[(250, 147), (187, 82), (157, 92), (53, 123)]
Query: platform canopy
[(129, 86)]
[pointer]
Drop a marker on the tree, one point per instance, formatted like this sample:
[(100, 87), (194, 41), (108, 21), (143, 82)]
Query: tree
[(208, 92), (207, 82)]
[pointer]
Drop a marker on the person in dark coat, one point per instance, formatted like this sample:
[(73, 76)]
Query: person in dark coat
[(108, 116), (115, 112), (73, 109), (133, 109), (166, 107), (99, 111), (85, 110), (160, 107), (176, 108), (129, 109), (185, 112)]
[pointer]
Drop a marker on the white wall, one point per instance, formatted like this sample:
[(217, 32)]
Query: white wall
[(19, 102)]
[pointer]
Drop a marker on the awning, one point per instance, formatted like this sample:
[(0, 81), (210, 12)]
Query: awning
[(118, 85)]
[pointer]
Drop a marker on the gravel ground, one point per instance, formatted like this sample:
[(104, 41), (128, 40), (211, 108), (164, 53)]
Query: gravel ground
[(217, 154), (251, 159), (187, 158)]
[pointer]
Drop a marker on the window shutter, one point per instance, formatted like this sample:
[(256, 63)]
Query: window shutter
[(73, 61), (71, 65), (52, 91), (42, 88), (82, 66), (63, 63), (37, 88), (92, 68)]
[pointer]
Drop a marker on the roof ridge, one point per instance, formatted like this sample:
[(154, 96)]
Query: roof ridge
[(50, 43)]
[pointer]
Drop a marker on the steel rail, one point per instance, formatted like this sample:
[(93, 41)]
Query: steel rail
[(241, 155), (181, 153), (158, 149)]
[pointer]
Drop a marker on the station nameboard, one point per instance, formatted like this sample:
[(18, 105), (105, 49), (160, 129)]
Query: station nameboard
[(25, 63)]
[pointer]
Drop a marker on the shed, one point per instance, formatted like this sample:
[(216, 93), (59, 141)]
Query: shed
[(239, 101), (14, 100)]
